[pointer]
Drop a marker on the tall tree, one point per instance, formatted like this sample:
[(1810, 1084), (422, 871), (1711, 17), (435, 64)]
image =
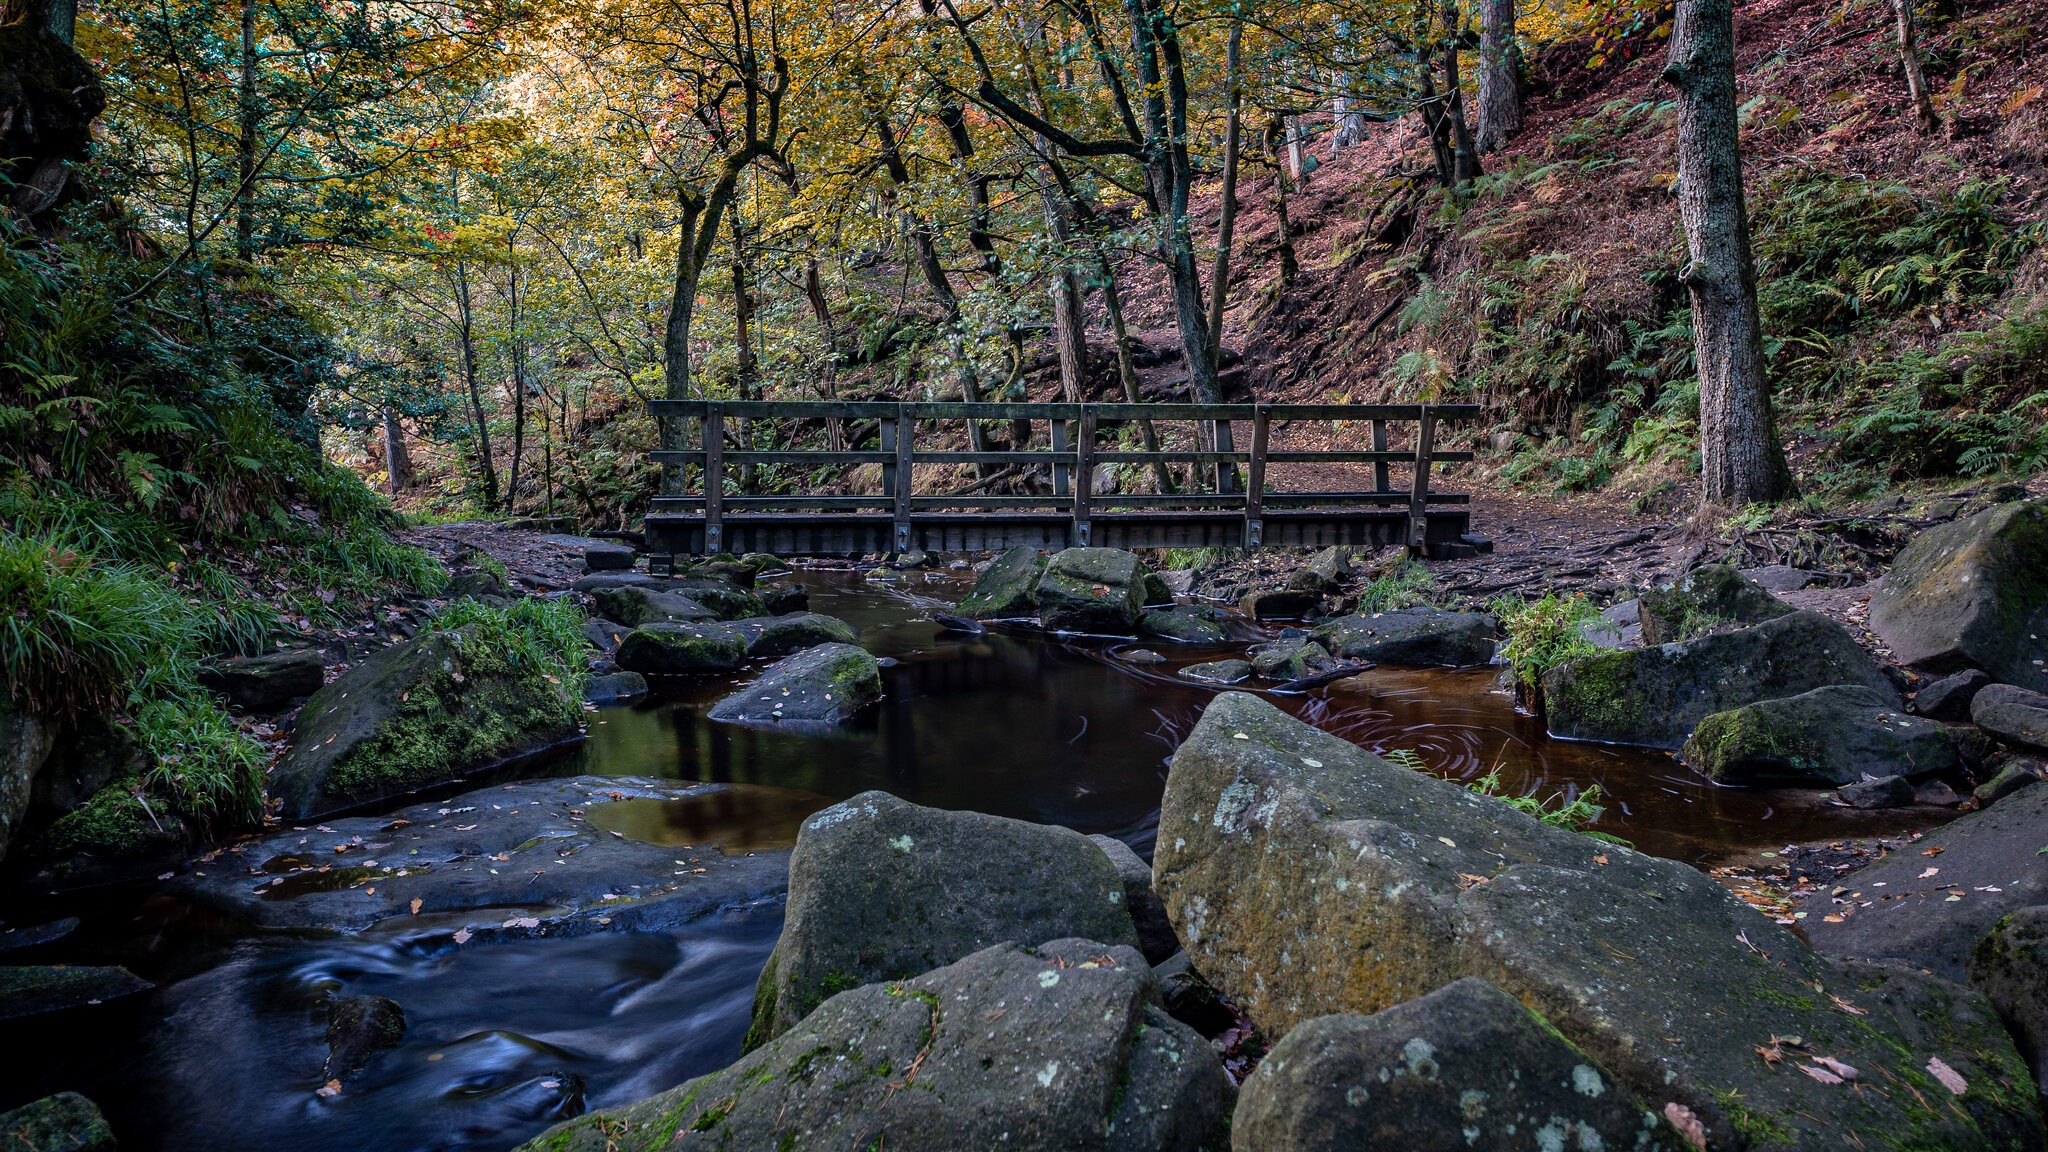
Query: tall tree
[(1500, 92), (1741, 459), (1924, 119)]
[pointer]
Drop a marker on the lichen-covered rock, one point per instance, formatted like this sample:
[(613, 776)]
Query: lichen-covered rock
[(778, 636), (1097, 590), (1710, 598), (825, 684), (1308, 877), (1218, 671), (1657, 695), (1949, 697), (633, 606), (1009, 589), (66, 1122), (359, 1027), (2015, 715), (1186, 623), (424, 712), (1411, 636), (1290, 660), (1155, 933), (1899, 908), (1464, 1067), (682, 648), (1056, 1045), (1972, 593), (1833, 735), (882, 889), (266, 683), (24, 746), (2010, 967)]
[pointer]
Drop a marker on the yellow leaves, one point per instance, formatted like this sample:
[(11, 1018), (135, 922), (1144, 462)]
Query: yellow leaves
[(2019, 99)]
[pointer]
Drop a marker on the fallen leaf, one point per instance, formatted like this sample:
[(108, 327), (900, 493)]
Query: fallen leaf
[(1845, 1006), (416, 902), (1935, 851), (1832, 918), (1930, 872), (1448, 842), (1949, 1077), (462, 935), (1686, 1124), (1820, 1074), (329, 1089), (1600, 859), (1845, 1071)]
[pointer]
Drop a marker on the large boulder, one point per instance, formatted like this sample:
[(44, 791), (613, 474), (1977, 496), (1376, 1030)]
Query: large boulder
[(24, 746), (1833, 735), (1710, 598), (266, 683), (1099, 590), (1009, 589), (1463, 1067), (1972, 593), (682, 647), (428, 711), (1308, 877), (1899, 908), (1290, 660), (2016, 715), (2010, 967), (1148, 915), (723, 598), (882, 889), (1057, 1045), (1186, 624), (1656, 696), (633, 605), (1411, 636), (66, 1122), (778, 636), (821, 685)]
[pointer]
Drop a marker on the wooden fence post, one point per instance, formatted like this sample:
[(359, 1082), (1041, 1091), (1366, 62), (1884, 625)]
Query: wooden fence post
[(1418, 490), (1084, 472), (1061, 470), (1379, 467), (906, 432), (1255, 487), (714, 478)]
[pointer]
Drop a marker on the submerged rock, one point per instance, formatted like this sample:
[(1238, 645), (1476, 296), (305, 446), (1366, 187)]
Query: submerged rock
[(825, 684), (682, 648), (614, 688), (2010, 967), (881, 889), (1411, 636), (66, 1122), (1308, 877), (266, 683), (1463, 1067), (1096, 590), (1009, 589), (1657, 695), (1899, 908), (359, 1027), (2015, 715), (1056, 1045), (1833, 735), (1972, 593), (1710, 598), (424, 712)]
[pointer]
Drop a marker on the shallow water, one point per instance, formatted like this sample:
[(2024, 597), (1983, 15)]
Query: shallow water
[(503, 1039)]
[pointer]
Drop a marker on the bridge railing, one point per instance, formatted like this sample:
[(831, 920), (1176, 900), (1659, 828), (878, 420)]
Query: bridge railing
[(1069, 453)]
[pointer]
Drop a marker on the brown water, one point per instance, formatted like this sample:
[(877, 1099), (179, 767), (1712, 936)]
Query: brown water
[(504, 1038)]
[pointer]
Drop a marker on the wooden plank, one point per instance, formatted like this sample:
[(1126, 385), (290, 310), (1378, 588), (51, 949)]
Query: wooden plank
[(1062, 471), (714, 476), (906, 437), (1203, 457), (1255, 486), (1379, 468), (887, 436), (1418, 493), (1084, 473), (1380, 458), (881, 409)]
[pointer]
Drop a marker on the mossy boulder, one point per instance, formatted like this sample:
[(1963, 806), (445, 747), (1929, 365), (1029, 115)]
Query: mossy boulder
[(783, 597), (737, 573), (682, 648), (1326, 573), (1096, 590), (1464, 1067), (1218, 671), (428, 711), (633, 606), (1061, 1044), (723, 599), (268, 682), (66, 1122), (1972, 593), (2010, 967), (1657, 695), (1308, 877), (1429, 636), (1833, 735), (1291, 660), (40, 989), (614, 688), (24, 746), (1158, 593), (1009, 589), (2015, 715), (882, 889), (1710, 598), (116, 826), (825, 684), (778, 636), (1186, 624)]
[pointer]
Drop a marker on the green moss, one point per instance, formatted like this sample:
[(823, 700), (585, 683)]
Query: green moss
[(1758, 1129), (118, 823), (761, 1026)]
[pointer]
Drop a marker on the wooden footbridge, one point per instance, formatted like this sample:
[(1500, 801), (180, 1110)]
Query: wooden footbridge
[(1215, 506)]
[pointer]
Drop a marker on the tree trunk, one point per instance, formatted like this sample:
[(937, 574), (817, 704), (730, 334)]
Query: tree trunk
[(397, 460), (1741, 459), (517, 340), (1464, 154), (1500, 97), (245, 144), (1924, 119), (675, 344), (60, 19), (487, 468), (1290, 267), (1226, 213), (1126, 368)]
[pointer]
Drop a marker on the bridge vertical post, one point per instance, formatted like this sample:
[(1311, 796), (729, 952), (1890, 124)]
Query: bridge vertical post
[(1084, 473), (1418, 489), (714, 478), (1061, 470), (1379, 467), (906, 433), (1255, 486)]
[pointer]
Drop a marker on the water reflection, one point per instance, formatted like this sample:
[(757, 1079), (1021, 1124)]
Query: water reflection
[(735, 821)]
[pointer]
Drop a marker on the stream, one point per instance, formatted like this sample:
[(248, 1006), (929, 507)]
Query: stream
[(505, 1038)]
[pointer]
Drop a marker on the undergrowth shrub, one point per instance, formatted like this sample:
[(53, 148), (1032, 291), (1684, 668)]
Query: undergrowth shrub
[(1408, 585), (529, 636), (1543, 633), (77, 631), (1573, 812)]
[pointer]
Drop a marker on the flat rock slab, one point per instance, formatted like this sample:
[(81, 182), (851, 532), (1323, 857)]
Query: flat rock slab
[(1429, 636), (1308, 877), (1218, 672), (1900, 907), (268, 682), (882, 889), (2015, 715), (824, 685), (519, 859), (1060, 1045), (1464, 1067), (37, 989)]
